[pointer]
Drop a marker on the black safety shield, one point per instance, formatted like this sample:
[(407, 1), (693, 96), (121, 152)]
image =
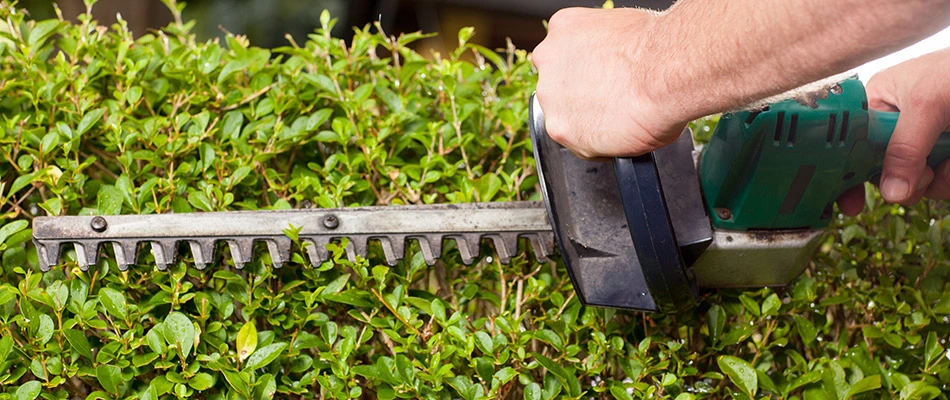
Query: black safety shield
[(623, 243)]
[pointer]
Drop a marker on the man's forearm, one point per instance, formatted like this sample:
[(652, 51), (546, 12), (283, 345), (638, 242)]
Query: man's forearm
[(726, 54)]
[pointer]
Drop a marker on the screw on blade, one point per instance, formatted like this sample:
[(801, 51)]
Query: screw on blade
[(279, 249), (164, 253), (242, 250), (124, 253), (202, 251)]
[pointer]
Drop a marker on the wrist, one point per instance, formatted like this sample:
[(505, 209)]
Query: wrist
[(678, 80)]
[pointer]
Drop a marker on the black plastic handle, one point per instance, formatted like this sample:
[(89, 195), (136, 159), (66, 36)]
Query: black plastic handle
[(648, 219)]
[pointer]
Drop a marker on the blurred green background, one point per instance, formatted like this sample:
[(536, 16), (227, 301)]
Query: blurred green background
[(266, 22)]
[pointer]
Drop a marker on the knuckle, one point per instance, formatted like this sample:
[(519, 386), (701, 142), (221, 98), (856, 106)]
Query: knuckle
[(920, 101), (561, 18), (556, 131), (539, 55)]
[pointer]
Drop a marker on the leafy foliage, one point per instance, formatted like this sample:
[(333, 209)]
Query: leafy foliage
[(94, 122)]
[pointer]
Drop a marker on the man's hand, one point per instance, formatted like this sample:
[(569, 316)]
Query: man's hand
[(598, 85), (920, 90), (624, 82)]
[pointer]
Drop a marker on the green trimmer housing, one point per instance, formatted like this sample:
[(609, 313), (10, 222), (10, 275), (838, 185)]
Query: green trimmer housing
[(782, 167), (646, 232)]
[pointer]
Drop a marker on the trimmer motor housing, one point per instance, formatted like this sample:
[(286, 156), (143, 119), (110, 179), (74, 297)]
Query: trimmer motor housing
[(645, 232)]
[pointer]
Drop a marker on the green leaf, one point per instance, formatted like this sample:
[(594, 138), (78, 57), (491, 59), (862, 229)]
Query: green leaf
[(12, 227), (532, 391), (150, 394), (20, 182), (750, 304), (180, 331), (200, 201), (238, 175), (45, 330), (265, 355), (109, 200), (620, 392), (566, 378), (246, 340), (740, 373), (233, 121), (715, 322), (114, 302), (806, 330), (78, 341), (438, 310), (919, 391), (6, 347), (89, 120), (266, 387), (505, 374), (932, 349), (318, 118), (60, 294), (28, 391), (866, 384), (771, 305), (484, 343), (201, 381), (154, 340), (41, 32), (550, 337), (488, 186), (110, 377)]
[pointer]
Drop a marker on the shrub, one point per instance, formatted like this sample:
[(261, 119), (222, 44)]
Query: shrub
[(94, 122)]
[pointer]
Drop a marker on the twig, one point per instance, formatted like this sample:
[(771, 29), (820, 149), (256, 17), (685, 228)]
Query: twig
[(396, 314)]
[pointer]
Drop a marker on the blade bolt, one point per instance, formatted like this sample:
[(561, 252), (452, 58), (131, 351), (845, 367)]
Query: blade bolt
[(331, 221), (723, 213), (98, 224)]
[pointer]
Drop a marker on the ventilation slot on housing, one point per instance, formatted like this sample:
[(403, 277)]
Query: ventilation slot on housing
[(792, 128), (832, 120), (844, 127), (779, 121)]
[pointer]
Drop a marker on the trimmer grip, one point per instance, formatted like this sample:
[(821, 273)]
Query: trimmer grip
[(881, 126)]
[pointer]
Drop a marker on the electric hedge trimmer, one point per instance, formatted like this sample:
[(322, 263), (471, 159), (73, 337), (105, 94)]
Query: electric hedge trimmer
[(637, 233)]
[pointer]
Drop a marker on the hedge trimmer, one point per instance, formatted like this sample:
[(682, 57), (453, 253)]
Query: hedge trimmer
[(638, 233)]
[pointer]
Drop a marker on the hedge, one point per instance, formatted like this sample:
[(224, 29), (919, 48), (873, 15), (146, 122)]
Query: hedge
[(96, 122)]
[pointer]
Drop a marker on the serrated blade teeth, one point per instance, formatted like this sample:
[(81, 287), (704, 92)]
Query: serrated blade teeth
[(356, 246), (429, 225), (317, 249), (543, 245), (393, 249), (164, 253), (87, 253), (202, 250), (430, 246), (124, 253), (242, 250), (469, 246), (506, 246), (47, 253), (279, 249)]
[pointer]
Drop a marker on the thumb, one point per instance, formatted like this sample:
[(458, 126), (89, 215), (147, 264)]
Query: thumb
[(914, 136)]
